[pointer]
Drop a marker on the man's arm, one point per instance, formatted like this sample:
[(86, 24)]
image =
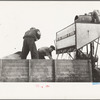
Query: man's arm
[(38, 34), (50, 57)]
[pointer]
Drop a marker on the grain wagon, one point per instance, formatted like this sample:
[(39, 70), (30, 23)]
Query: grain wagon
[(83, 67)]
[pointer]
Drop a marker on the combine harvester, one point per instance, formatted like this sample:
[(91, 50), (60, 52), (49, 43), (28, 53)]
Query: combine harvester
[(83, 33)]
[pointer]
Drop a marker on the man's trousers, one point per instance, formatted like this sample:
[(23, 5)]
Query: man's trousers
[(29, 45)]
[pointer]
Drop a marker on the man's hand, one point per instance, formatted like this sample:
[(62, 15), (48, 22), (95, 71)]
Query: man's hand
[(50, 57)]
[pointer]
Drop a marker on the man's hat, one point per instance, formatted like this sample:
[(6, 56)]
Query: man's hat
[(52, 47)]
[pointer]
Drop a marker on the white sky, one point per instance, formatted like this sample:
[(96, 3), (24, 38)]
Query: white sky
[(16, 17)]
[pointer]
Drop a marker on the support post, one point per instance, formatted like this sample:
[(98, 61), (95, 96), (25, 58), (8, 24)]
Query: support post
[(92, 61), (77, 54)]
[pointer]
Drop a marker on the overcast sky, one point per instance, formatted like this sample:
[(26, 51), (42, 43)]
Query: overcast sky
[(16, 17)]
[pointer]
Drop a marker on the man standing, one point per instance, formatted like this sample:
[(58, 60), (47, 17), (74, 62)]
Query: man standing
[(30, 37), (45, 51)]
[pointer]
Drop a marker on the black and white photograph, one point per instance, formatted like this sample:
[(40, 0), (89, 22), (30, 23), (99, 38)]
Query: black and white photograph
[(49, 49)]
